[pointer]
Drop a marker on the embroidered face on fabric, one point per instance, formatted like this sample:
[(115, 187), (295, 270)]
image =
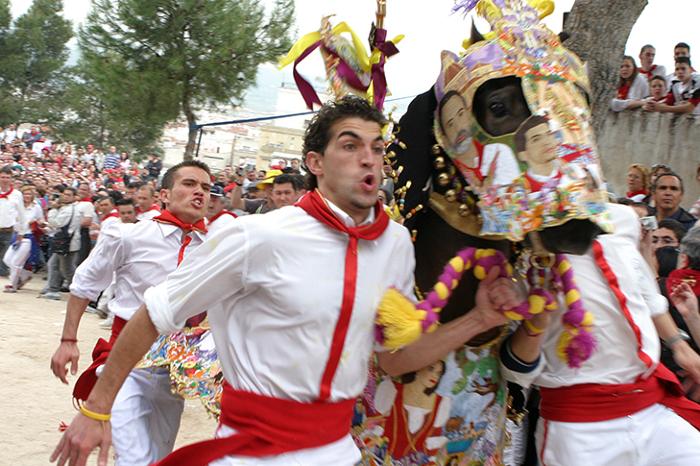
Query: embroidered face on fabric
[(544, 171)]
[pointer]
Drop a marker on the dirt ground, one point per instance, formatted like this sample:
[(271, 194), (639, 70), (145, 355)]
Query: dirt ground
[(34, 402)]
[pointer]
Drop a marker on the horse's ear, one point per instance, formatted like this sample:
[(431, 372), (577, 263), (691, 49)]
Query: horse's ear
[(475, 35)]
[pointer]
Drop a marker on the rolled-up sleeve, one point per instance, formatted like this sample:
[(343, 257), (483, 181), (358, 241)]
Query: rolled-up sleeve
[(211, 274), (96, 272)]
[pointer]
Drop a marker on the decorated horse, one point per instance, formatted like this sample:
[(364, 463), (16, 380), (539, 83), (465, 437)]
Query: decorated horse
[(495, 166)]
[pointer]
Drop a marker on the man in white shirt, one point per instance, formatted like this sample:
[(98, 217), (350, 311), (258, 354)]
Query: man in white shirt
[(68, 216), (11, 214), (294, 327), (146, 414), (618, 407)]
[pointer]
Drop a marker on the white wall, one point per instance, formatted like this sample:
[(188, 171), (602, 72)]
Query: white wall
[(642, 137)]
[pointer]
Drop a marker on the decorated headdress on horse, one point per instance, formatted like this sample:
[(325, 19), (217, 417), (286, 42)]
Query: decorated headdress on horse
[(539, 174)]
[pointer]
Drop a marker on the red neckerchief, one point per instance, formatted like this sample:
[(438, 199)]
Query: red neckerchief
[(223, 212), (153, 207), (113, 213), (690, 276), (634, 193), (314, 205), (6, 194), (623, 91), (476, 171), (86, 199), (168, 217), (649, 73)]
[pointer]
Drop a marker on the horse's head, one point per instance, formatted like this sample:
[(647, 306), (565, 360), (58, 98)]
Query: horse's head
[(511, 145)]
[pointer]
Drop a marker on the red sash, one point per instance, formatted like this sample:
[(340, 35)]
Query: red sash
[(267, 426), (594, 402), (113, 214), (88, 379), (6, 194)]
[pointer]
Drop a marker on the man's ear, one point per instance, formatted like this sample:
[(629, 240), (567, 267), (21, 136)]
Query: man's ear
[(682, 261), (522, 156), (314, 162), (165, 196)]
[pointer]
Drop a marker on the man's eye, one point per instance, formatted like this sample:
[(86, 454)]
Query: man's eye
[(349, 147), (498, 109)]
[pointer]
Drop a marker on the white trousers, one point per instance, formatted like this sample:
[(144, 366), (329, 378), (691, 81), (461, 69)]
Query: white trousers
[(655, 436), (342, 452), (15, 259), (145, 418)]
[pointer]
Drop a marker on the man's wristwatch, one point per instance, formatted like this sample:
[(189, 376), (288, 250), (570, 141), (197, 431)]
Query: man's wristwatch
[(681, 335)]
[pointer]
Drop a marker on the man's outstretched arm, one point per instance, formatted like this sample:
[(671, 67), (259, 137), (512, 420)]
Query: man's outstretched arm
[(85, 433)]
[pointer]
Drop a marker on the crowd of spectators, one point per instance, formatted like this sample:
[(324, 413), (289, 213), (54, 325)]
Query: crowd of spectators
[(670, 240), (648, 87)]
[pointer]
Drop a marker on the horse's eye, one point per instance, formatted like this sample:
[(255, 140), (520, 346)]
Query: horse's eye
[(498, 109)]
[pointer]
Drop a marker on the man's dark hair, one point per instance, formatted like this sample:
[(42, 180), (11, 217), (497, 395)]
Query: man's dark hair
[(675, 226), (134, 185), (448, 95), (656, 182), (71, 189), (289, 178), (169, 178), (527, 125), (685, 60), (106, 198), (657, 78), (647, 46), (6, 170), (318, 135), (125, 201), (682, 45)]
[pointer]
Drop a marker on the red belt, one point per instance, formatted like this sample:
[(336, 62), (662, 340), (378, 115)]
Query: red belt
[(267, 426), (88, 379), (594, 402)]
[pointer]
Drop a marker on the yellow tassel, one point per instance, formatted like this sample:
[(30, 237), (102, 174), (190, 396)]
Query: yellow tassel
[(400, 319), (553, 306), (479, 272)]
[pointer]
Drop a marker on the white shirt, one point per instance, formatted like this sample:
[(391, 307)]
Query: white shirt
[(638, 90), (33, 213), (141, 254), (220, 223), (273, 307), (151, 213), (615, 359), (85, 209), (12, 210)]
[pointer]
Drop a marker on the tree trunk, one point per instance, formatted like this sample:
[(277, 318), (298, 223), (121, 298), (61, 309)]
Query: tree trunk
[(598, 32), (191, 125)]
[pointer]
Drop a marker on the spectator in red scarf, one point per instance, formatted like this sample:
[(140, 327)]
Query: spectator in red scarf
[(637, 182), (633, 87)]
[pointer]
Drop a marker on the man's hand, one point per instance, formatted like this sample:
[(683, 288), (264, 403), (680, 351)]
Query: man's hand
[(685, 301), (496, 294), (66, 352), (81, 438), (650, 106), (688, 360)]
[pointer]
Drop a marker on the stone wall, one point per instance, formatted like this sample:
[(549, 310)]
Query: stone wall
[(642, 137)]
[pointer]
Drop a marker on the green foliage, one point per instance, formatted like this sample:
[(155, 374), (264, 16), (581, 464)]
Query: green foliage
[(32, 54), (148, 62)]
